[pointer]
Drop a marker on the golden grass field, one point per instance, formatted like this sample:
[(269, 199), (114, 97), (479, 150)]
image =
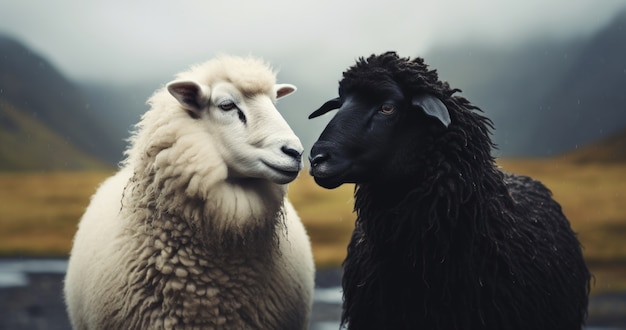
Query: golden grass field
[(39, 212)]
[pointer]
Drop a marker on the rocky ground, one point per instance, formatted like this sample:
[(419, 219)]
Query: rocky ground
[(39, 305)]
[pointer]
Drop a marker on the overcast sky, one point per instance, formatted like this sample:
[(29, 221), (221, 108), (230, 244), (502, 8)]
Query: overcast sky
[(133, 39)]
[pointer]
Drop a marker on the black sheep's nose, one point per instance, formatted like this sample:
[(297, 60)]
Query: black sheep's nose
[(291, 152), (318, 159)]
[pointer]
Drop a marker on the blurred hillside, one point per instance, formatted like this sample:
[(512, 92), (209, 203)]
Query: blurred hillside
[(46, 121), (610, 149), (545, 97)]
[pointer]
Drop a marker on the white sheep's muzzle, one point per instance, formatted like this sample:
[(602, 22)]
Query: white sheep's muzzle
[(279, 161), (283, 161)]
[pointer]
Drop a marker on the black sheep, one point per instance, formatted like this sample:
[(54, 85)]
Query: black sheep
[(444, 239)]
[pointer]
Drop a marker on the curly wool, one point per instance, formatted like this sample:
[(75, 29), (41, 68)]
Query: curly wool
[(171, 241), (413, 76), (446, 240)]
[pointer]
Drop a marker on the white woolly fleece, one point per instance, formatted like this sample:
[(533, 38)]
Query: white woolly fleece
[(193, 231)]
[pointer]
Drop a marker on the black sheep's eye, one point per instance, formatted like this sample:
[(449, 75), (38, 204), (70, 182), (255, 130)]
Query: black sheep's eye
[(227, 106), (387, 109)]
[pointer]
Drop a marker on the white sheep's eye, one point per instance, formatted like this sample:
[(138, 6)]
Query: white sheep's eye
[(387, 108), (227, 105)]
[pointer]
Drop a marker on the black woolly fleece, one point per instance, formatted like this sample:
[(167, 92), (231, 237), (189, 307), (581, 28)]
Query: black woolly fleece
[(456, 243)]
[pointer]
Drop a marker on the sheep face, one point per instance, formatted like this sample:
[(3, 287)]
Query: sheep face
[(250, 134), (357, 145)]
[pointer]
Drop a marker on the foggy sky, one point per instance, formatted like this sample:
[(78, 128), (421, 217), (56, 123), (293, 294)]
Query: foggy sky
[(129, 41)]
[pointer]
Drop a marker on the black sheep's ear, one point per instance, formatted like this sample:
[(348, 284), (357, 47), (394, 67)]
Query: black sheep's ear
[(433, 107), (328, 106), (191, 96)]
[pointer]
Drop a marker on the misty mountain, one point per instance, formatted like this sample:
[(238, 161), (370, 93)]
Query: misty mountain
[(539, 94), (589, 101), (546, 96), (34, 95), (506, 83)]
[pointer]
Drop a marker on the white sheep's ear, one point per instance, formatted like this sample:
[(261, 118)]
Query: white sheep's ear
[(283, 90), (433, 107), (191, 96)]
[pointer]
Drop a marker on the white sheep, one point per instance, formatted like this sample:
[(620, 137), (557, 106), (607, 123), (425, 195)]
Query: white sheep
[(195, 230)]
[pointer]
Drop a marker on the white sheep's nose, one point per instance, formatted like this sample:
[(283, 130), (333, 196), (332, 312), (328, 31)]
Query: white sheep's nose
[(292, 152)]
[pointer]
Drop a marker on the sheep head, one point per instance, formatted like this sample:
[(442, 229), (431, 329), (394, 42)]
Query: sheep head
[(250, 134), (378, 114)]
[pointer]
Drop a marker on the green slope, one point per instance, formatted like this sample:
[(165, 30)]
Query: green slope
[(32, 84), (27, 144)]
